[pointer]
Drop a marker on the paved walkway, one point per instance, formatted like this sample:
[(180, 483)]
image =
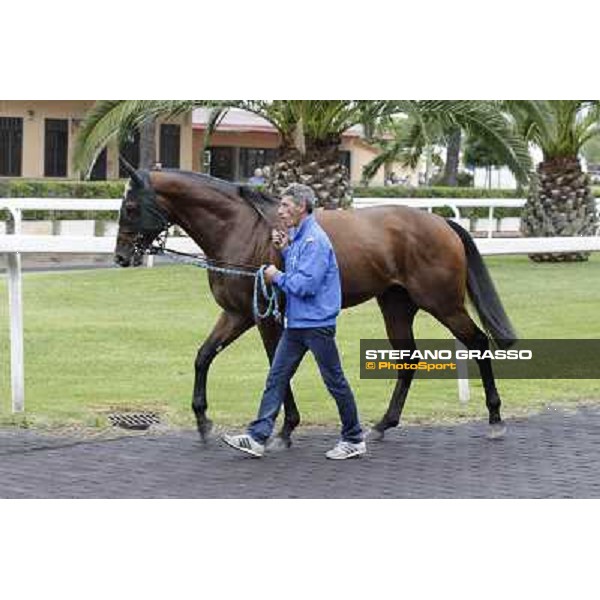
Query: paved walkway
[(552, 455)]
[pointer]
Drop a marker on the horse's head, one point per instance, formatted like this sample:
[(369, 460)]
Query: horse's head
[(141, 219)]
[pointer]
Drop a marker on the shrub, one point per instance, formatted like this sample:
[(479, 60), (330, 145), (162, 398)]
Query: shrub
[(434, 192), (447, 192)]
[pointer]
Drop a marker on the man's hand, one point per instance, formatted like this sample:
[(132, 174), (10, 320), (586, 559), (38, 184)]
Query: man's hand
[(270, 272), (280, 239)]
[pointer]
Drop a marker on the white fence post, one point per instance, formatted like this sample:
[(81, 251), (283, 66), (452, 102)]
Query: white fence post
[(464, 393), (15, 303)]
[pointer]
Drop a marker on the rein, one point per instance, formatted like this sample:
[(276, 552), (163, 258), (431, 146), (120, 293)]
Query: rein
[(270, 294)]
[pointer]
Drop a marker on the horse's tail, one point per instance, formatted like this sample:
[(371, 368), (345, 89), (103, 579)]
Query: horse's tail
[(483, 293)]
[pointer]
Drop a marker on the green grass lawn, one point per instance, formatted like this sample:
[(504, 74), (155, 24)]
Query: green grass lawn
[(104, 340)]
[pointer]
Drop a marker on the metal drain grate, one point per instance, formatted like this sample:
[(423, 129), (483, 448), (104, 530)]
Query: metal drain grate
[(138, 421)]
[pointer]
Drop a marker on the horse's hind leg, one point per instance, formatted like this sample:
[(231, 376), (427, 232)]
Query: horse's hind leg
[(270, 334), (227, 329), (398, 311), (465, 329)]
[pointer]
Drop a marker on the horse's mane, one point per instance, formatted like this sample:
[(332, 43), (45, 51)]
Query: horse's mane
[(256, 198)]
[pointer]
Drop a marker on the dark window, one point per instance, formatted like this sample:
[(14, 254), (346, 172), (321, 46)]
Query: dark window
[(11, 146), (344, 158), (255, 158), (169, 146), (131, 152), (98, 172), (222, 162), (56, 147)]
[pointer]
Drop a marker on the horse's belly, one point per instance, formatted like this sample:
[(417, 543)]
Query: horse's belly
[(349, 300), (231, 294), (363, 279)]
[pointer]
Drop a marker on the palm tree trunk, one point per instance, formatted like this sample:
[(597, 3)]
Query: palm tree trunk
[(148, 144), (319, 168), (452, 158), (560, 203), (428, 164)]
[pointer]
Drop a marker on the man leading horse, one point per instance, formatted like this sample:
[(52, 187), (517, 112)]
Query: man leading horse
[(311, 283)]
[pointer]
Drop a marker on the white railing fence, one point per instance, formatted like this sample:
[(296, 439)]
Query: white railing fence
[(15, 244), (454, 204)]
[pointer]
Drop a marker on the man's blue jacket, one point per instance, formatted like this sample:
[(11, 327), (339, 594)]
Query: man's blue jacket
[(311, 281)]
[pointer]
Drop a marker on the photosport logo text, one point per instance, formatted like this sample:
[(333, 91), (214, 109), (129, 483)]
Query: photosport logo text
[(527, 359)]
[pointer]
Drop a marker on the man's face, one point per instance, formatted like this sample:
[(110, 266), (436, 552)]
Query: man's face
[(289, 212)]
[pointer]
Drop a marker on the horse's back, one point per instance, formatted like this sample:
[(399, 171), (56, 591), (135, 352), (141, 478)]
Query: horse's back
[(379, 247)]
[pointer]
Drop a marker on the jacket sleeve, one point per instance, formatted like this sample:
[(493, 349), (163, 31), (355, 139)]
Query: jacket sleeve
[(312, 267)]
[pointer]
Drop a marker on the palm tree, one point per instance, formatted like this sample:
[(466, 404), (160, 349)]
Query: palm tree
[(310, 131), (432, 121), (560, 200)]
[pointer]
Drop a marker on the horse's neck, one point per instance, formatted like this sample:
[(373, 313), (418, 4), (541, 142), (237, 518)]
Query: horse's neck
[(223, 228)]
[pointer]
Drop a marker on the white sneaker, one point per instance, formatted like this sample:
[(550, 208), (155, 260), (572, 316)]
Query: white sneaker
[(343, 450), (245, 443)]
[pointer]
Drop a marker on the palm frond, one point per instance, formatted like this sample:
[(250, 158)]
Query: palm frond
[(564, 127), (116, 119), (321, 121), (482, 118)]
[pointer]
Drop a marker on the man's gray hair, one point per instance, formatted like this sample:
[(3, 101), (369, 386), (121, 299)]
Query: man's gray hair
[(300, 193)]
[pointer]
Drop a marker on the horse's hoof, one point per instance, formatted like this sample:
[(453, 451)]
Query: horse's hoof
[(207, 432), (497, 431), (375, 435), (278, 443)]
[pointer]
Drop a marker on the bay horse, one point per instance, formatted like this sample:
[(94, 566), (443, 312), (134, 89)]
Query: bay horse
[(405, 258)]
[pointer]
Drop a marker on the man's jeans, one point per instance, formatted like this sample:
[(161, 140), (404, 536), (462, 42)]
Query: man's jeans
[(291, 349)]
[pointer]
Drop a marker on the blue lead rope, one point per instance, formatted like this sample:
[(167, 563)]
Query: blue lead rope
[(271, 296)]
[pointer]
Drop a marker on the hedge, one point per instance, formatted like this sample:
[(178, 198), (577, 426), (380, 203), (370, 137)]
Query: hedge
[(434, 192), (40, 188), (447, 192)]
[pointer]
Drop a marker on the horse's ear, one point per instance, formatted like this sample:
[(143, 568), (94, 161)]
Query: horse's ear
[(137, 180)]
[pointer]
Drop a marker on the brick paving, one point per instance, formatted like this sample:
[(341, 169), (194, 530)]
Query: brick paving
[(555, 454)]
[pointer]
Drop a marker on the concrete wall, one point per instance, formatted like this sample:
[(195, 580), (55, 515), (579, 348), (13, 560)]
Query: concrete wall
[(34, 112), (360, 155)]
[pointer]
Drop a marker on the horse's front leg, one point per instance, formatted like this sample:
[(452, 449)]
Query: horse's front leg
[(228, 328), (270, 333)]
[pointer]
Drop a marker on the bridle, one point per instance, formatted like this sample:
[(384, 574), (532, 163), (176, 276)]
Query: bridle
[(151, 222)]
